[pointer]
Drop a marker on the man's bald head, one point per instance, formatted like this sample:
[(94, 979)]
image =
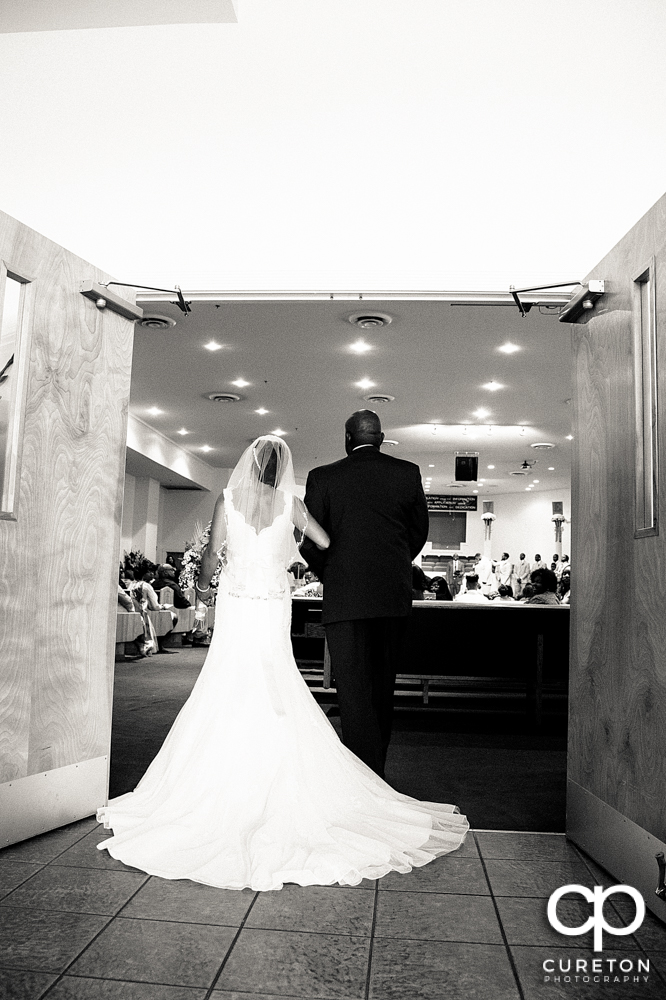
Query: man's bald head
[(363, 427)]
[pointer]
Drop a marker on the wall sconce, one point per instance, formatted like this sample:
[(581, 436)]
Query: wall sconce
[(583, 301)]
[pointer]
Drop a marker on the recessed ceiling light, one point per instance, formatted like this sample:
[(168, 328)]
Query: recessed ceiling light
[(551, 468), (360, 347), (491, 466), (492, 386), (278, 432), (261, 411), (535, 480), (508, 348), (212, 345), (431, 466), (481, 413), (527, 489), (482, 480), (569, 437), (240, 382), (365, 383), (155, 411), (206, 447), (183, 430), (475, 491)]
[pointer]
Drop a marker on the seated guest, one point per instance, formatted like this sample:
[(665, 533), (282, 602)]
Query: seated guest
[(126, 603), (311, 587), (505, 594), (564, 588), (166, 577), (544, 582), (149, 596), (124, 600), (527, 594), (420, 583), (472, 594), (440, 588)]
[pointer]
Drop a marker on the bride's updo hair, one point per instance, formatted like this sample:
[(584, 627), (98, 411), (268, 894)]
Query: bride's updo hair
[(267, 455)]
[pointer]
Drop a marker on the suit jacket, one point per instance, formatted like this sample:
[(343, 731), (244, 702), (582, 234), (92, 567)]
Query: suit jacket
[(179, 599), (374, 509)]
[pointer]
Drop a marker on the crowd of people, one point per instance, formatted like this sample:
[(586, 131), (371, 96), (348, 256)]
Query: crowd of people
[(141, 596), (500, 580)]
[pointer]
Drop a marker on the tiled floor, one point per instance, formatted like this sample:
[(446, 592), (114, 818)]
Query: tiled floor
[(77, 925)]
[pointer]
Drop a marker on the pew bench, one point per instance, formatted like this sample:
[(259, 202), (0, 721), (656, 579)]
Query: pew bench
[(458, 651)]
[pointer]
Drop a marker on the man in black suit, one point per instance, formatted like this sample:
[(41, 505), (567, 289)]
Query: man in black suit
[(374, 508)]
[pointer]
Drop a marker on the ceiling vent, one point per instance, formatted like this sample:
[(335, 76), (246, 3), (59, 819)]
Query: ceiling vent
[(370, 321), (542, 445), (379, 397), (157, 322), (224, 397)]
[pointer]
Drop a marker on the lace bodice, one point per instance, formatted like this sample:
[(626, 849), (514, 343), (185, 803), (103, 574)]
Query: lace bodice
[(256, 562)]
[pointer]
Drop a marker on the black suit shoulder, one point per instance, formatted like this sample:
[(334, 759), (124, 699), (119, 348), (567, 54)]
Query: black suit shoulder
[(358, 460)]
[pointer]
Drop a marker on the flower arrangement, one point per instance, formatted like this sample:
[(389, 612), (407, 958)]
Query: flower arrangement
[(191, 562), (488, 516)]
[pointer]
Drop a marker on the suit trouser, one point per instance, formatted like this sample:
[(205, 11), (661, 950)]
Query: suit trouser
[(365, 655)]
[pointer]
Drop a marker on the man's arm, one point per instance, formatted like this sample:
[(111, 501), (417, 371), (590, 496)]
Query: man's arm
[(419, 522), (316, 506)]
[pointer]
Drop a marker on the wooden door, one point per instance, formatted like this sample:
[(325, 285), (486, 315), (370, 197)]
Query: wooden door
[(616, 801), (59, 535)]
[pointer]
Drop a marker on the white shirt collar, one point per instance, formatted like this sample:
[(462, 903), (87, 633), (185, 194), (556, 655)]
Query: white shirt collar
[(363, 446)]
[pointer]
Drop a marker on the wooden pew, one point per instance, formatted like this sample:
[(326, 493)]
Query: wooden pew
[(453, 650)]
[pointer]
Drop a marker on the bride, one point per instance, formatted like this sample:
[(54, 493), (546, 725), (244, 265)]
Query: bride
[(252, 787)]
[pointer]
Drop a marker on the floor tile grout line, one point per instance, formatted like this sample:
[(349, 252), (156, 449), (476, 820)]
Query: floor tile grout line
[(231, 948), (368, 975), (60, 854), (92, 941), (509, 954)]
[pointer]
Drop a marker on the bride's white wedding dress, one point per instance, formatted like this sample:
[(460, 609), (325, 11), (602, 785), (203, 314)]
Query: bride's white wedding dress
[(252, 786)]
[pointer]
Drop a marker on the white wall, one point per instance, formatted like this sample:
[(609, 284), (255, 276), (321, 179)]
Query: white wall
[(180, 510), (127, 530), (523, 524)]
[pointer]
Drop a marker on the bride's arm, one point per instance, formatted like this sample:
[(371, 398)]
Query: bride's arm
[(218, 533), (306, 523)]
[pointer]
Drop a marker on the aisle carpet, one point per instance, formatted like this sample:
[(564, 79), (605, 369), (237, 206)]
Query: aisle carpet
[(501, 775)]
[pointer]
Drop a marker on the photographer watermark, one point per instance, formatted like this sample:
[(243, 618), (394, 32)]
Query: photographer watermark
[(596, 970)]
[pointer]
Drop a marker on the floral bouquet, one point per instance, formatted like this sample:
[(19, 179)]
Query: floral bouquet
[(191, 562)]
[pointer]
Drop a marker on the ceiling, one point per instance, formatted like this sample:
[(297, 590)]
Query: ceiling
[(345, 144), (434, 358)]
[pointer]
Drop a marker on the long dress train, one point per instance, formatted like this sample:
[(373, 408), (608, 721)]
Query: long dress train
[(252, 786)]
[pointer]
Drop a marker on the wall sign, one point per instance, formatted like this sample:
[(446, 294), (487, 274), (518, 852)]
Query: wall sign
[(439, 502)]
